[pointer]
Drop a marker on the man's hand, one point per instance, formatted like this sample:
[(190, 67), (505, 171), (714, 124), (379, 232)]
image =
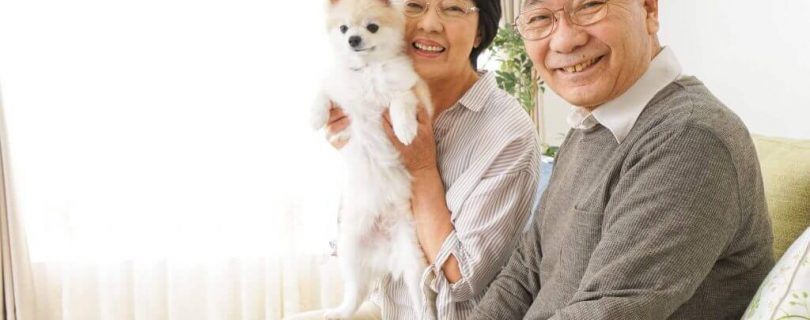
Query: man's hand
[(336, 127)]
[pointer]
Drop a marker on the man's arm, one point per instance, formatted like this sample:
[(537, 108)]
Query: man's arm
[(670, 217), (512, 292)]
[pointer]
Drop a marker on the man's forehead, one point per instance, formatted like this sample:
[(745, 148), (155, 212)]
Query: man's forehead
[(532, 3), (544, 3), (547, 3)]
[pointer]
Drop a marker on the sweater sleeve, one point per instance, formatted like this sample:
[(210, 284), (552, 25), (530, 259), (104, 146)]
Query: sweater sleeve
[(491, 220), (513, 291), (670, 217)]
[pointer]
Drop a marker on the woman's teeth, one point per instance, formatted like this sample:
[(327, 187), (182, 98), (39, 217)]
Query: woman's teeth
[(427, 47), (581, 66)]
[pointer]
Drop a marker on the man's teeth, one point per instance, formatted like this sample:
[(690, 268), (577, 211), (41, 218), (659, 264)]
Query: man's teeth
[(580, 67), (427, 47)]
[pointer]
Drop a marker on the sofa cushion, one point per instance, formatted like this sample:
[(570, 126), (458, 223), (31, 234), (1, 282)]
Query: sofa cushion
[(785, 293), (786, 175)]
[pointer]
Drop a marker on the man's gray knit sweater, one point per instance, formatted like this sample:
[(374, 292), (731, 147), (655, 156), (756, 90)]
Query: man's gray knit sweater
[(669, 224)]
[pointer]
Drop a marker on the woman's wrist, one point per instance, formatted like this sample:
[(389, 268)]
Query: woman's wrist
[(427, 189), (432, 217), (430, 211)]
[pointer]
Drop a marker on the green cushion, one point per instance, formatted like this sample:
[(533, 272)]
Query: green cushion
[(786, 175)]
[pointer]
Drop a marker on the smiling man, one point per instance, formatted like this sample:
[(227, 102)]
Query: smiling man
[(655, 209)]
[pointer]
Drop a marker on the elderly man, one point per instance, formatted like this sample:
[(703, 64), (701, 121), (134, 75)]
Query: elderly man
[(655, 209)]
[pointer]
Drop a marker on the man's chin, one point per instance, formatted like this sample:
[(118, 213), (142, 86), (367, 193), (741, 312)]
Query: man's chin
[(581, 97)]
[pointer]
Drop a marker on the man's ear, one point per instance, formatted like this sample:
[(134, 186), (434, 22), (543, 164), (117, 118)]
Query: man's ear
[(333, 2), (651, 7)]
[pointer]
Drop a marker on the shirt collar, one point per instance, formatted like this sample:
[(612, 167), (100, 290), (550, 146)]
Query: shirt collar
[(476, 97), (620, 114), (580, 118)]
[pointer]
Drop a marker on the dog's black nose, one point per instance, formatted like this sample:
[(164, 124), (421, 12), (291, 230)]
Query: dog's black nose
[(354, 41)]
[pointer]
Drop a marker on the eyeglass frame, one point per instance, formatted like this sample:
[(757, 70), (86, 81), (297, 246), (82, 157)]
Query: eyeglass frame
[(555, 22), (438, 10)]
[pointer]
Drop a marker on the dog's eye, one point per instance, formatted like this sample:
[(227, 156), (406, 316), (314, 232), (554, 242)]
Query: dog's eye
[(343, 28), (372, 27)]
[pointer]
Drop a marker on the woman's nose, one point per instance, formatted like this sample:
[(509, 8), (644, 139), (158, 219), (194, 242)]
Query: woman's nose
[(430, 21)]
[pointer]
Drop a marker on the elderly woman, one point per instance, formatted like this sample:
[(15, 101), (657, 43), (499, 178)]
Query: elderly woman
[(474, 165)]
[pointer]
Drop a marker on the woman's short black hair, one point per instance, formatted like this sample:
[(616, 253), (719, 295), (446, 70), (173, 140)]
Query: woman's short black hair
[(489, 14)]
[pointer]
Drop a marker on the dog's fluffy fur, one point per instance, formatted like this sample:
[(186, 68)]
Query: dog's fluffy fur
[(372, 74)]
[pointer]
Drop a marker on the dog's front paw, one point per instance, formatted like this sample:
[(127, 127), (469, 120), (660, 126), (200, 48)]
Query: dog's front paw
[(406, 131), (404, 124), (318, 118), (320, 113), (337, 314)]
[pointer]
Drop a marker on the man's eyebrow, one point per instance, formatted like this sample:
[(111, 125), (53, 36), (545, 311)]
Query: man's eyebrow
[(532, 3)]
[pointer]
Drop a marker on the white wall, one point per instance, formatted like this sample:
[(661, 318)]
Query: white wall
[(753, 55)]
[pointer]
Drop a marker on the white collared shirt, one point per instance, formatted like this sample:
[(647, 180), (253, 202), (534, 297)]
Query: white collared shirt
[(620, 114)]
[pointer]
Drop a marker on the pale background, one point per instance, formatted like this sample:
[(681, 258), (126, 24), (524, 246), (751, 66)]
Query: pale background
[(753, 55), (161, 161)]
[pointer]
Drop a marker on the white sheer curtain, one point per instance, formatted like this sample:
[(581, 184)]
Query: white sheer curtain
[(16, 284), (510, 10), (162, 157)]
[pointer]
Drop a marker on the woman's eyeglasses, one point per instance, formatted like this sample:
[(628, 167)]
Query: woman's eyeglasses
[(447, 9)]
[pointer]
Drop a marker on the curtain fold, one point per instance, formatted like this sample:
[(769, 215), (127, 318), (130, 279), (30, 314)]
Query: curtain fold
[(16, 283), (510, 9), (226, 289)]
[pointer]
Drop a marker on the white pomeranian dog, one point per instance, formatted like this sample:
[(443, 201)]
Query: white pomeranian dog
[(373, 74)]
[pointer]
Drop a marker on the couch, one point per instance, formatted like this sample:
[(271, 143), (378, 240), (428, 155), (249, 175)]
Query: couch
[(785, 167)]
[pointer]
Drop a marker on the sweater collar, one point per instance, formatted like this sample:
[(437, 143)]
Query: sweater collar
[(620, 114)]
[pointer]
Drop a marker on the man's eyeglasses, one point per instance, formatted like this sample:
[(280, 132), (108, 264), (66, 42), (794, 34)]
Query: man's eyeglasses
[(535, 23), (448, 9)]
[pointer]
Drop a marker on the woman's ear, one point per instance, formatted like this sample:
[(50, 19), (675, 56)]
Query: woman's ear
[(477, 39), (333, 2)]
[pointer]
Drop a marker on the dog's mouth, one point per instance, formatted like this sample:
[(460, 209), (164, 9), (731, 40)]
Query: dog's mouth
[(427, 48), (369, 49)]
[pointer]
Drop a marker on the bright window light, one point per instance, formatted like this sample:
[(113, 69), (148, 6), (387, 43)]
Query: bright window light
[(171, 128)]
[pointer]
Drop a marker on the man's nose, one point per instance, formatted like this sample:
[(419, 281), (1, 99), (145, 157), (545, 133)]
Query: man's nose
[(354, 41), (567, 37)]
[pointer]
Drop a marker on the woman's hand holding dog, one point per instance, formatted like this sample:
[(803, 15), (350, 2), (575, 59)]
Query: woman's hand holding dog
[(420, 156), (336, 126)]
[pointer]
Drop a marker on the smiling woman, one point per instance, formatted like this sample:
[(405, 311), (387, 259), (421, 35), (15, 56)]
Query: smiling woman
[(161, 156), (474, 163)]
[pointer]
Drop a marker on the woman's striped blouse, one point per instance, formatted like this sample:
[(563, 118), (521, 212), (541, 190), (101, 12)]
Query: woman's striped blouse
[(489, 161)]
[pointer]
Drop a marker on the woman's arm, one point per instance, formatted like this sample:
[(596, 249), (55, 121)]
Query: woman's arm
[(432, 217), (428, 203), (431, 214), (468, 247)]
